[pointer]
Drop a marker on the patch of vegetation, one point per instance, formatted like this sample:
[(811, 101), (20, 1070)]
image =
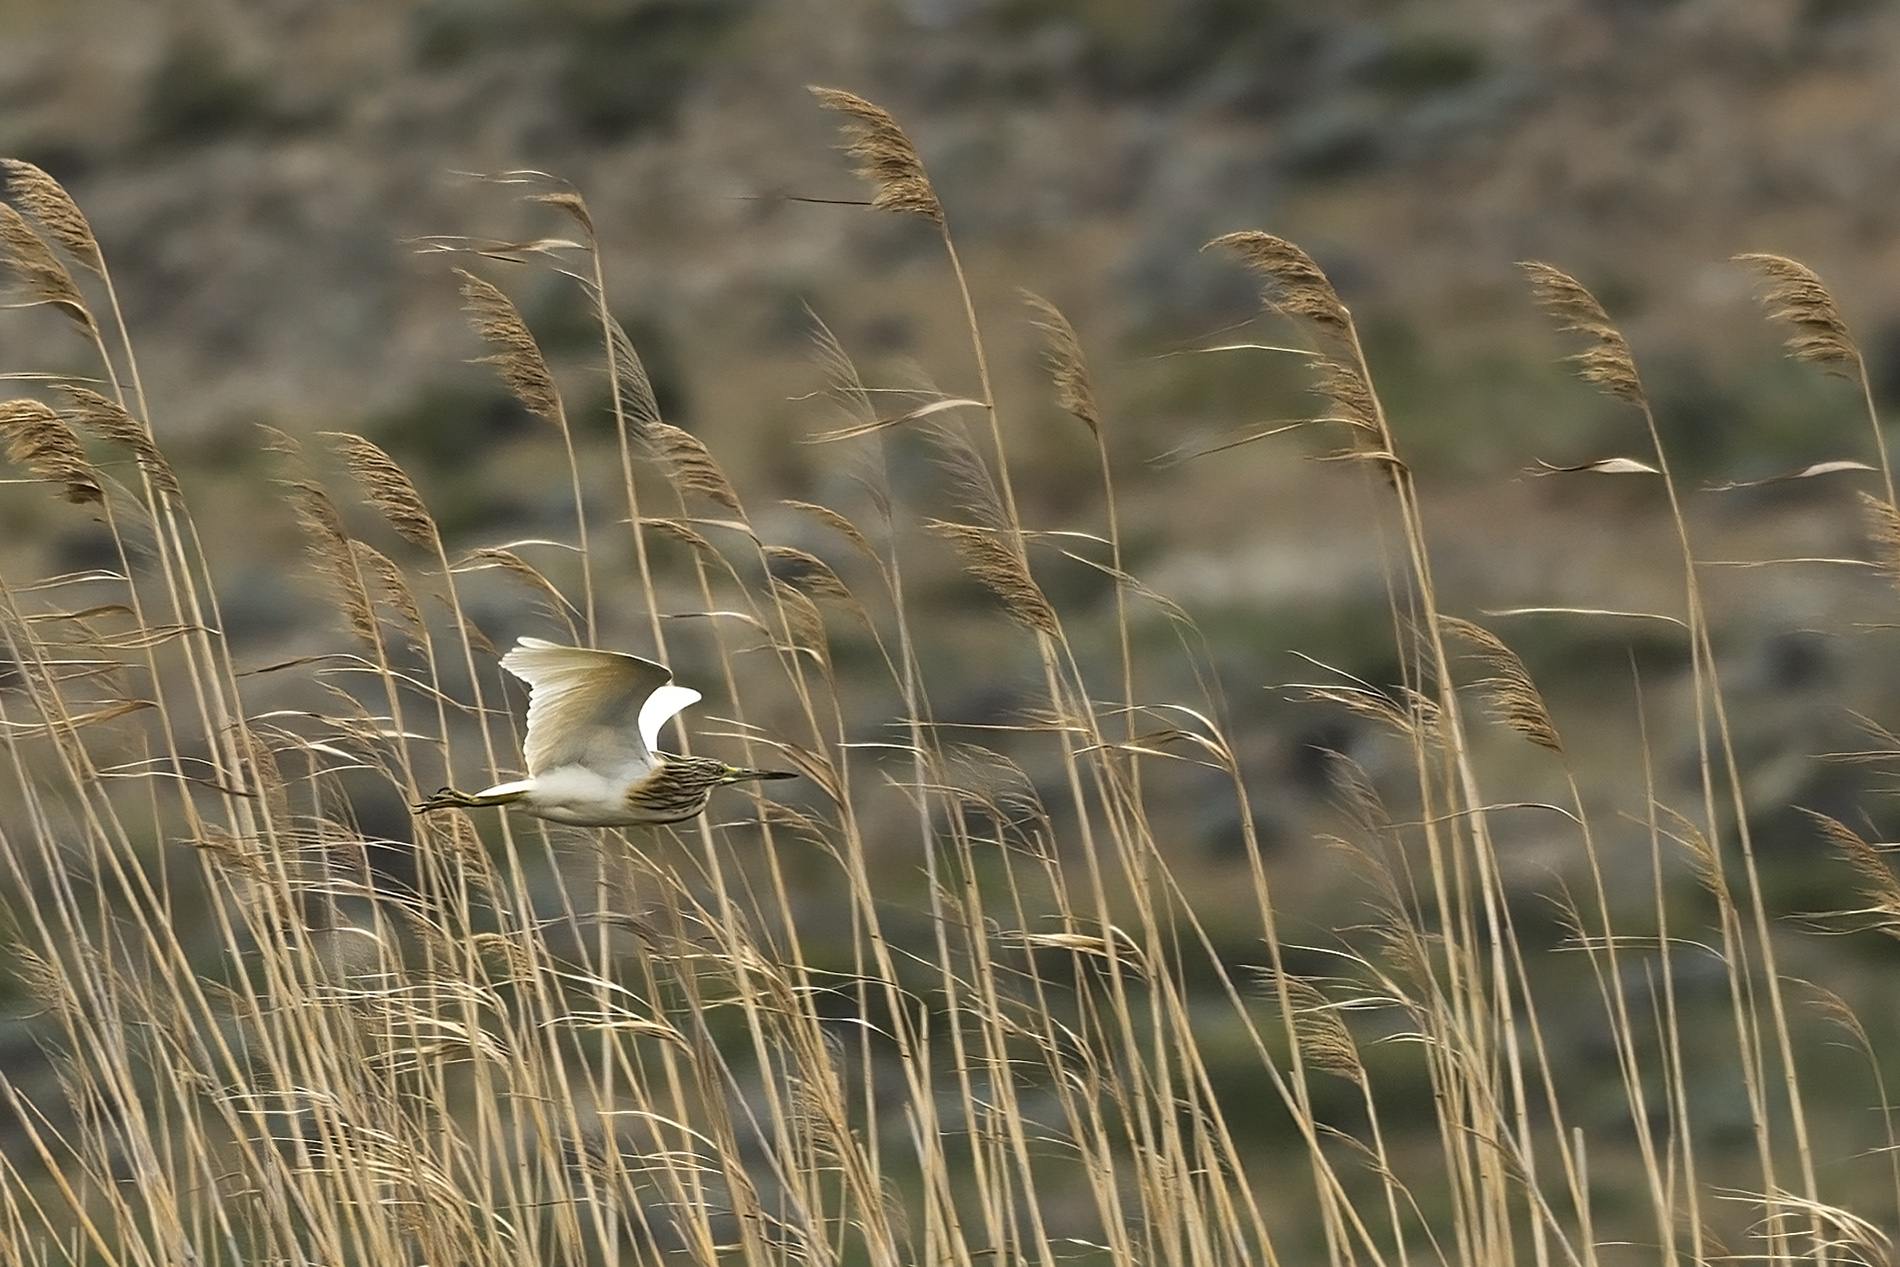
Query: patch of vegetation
[(199, 93)]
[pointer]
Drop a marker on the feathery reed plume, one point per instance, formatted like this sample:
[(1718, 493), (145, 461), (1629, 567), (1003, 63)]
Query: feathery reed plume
[(970, 479), (1877, 881), (1324, 1039), (42, 277), (1406, 712), (517, 356), (1704, 861), (1296, 287), (402, 600), (807, 572), (1796, 297), (1607, 361), (637, 401), (1356, 795), (694, 469), (843, 383), (510, 562), (885, 156), (387, 487), (39, 440), (267, 777), (48, 203), (991, 561), (1295, 284), (329, 546), (1513, 698), (1883, 528), (1067, 366), (837, 523), (574, 205), (679, 531), (110, 421), (803, 621)]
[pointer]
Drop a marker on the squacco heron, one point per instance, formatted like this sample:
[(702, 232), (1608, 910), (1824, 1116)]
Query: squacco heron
[(594, 720)]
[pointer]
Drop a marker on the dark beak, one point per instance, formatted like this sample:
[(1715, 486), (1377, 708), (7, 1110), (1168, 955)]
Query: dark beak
[(740, 774)]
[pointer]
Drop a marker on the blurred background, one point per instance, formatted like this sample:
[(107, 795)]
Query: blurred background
[(263, 174)]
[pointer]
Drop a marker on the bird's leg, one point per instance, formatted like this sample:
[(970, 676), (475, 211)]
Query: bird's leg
[(446, 798)]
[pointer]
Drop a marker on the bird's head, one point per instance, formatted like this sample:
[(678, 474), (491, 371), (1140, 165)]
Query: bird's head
[(679, 786)]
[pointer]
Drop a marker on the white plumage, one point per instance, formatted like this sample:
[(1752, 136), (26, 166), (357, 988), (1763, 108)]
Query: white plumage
[(594, 720)]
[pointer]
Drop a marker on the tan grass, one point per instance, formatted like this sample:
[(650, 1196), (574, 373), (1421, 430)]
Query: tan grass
[(953, 999)]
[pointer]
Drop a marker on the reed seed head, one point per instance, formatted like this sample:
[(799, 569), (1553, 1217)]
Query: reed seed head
[(1797, 298), (884, 155)]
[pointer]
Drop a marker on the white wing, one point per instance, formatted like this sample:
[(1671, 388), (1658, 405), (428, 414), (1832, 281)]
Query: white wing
[(591, 708), (662, 707)]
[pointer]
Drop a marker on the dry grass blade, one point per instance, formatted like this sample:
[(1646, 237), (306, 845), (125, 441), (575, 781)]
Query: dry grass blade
[(517, 356), (68, 722), (42, 277), (388, 488), (109, 420), (868, 426), (694, 470), (1067, 366), (1808, 472), (1513, 698), (1295, 284), (1797, 298), (58, 216), (1602, 466), (1607, 361), (884, 155), (39, 440), (991, 561)]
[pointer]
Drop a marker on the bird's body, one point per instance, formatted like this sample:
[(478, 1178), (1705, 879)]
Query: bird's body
[(594, 718)]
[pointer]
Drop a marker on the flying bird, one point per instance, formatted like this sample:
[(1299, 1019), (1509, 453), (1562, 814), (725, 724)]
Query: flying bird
[(594, 719)]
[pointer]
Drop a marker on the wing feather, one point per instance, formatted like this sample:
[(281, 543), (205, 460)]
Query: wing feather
[(591, 708)]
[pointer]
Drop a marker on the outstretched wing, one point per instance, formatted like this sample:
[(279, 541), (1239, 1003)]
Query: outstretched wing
[(600, 710)]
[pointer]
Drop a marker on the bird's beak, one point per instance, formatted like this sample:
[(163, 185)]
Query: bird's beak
[(738, 774)]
